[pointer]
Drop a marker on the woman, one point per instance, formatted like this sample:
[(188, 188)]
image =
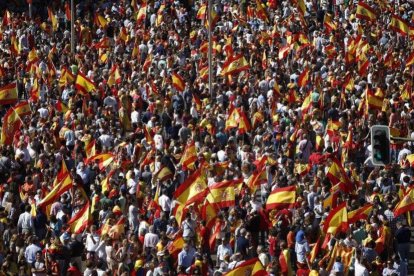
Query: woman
[(111, 259)]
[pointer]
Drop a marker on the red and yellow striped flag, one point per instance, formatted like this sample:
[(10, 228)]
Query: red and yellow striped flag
[(52, 19), (222, 194), (103, 159), (304, 78), (189, 156), (8, 94), (364, 11), (399, 25), (346, 256), (83, 84), (281, 198), (360, 213), (66, 77), (114, 76), (100, 21), (59, 188), (235, 65), (178, 82), (193, 189), (80, 220), (337, 220), (163, 174), (406, 204), (11, 123), (251, 267), (202, 12)]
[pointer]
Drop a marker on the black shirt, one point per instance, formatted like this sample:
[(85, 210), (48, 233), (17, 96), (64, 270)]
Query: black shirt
[(403, 235)]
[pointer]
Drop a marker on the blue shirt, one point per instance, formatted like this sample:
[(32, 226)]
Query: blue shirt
[(30, 253), (186, 258)]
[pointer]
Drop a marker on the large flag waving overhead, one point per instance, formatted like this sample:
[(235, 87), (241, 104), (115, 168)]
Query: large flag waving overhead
[(80, 220), (193, 188), (399, 25), (11, 123), (364, 11), (222, 194), (337, 220), (406, 204), (84, 84), (62, 186), (360, 213), (189, 156), (281, 198), (8, 94), (235, 65), (336, 174)]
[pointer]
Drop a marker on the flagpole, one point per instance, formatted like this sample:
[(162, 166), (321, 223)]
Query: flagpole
[(210, 73), (72, 26)]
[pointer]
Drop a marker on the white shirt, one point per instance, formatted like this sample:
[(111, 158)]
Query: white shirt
[(223, 250), (165, 203), (25, 221), (132, 186), (150, 240), (159, 142), (134, 116), (92, 242), (360, 270)]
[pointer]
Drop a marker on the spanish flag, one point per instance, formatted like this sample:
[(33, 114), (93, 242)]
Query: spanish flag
[(203, 73), (194, 187), (257, 178), (84, 84), (244, 123), (261, 12), (61, 107), (32, 56), (80, 220), (11, 123), (214, 18), (176, 246), (104, 43), (372, 101), (6, 18), (410, 60), (67, 11), (307, 103), (337, 220), (35, 91), (364, 11), (202, 12), (406, 204), (208, 213), (105, 185), (142, 13), (345, 253), (90, 148), (100, 21), (22, 109), (8, 94), (284, 51), (14, 45), (58, 189), (103, 159), (163, 174), (233, 118), (235, 65), (360, 213), (66, 77), (399, 25), (328, 23), (178, 82), (301, 7), (281, 198), (179, 212), (52, 19), (251, 267), (189, 157), (303, 78), (114, 76), (337, 175), (222, 194)]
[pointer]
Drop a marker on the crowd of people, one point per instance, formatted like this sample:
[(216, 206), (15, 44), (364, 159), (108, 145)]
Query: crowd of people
[(117, 158)]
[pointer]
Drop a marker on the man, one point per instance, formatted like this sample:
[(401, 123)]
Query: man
[(150, 239), (92, 242), (402, 237), (38, 266), (224, 249), (25, 223), (31, 250), (186, 256)]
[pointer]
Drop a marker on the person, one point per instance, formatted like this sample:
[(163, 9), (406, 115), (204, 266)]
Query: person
[(31, 250), (302, 250), (25, 223), (186, 256), (38, 266), (402, 238)]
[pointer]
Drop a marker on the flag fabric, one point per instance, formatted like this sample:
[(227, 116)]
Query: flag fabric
[(103, 159), (373, 101), (176, 246), (8, 94), (90, 148), (399, 25), (83, 84), (410, 60), (178, 82), (281, 198), (66, 77), (222, 194), (22, 109), (360, 213), (258, 177), (304, 78), (337, 175), (52, 19), (11, 124), (202, 12), (189, 156), (179, 212), (80, 220), (6, 19), (251, 267), (261, 12), (337, 220), (100, 21), (105, 185), (194, 187), (61, 107), (114, 76), (104, 43), (208, 213), (315, 251), (364, 11), (163, 174), (329, 23), (406, 204), (58, 189), (346, 255), (67, 11), (235, 65), (142, 13)]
